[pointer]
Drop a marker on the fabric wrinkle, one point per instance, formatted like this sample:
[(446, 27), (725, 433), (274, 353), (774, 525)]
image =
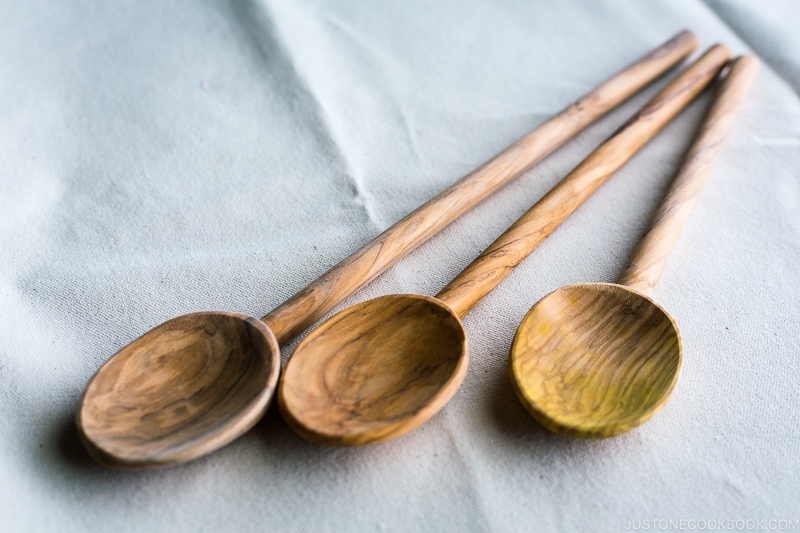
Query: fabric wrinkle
[(262, 26), (380, 57)]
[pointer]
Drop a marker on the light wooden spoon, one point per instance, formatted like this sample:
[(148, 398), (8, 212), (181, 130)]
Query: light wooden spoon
[(195, 383), (380, 368), (595, 360)]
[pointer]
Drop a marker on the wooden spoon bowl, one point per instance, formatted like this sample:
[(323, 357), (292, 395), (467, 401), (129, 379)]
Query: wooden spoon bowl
[(374, 371), (185, 388), (595, 360)]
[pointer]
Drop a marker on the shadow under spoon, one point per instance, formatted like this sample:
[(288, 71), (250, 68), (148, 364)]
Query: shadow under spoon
[(197, 382), (382, 367), (598, 359)]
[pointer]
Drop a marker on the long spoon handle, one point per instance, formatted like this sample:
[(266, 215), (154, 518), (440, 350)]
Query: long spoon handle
[(653, 250), (311, 303), (513, 246)]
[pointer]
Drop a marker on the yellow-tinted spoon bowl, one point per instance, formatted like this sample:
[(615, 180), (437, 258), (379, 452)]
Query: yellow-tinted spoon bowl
[(595, 360)]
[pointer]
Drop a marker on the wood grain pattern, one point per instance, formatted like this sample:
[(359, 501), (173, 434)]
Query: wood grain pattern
[(596, 360), (159, 399), (651, 254), (140, 410), (374, 371), (511, 248), (343, 280), (380, 368)]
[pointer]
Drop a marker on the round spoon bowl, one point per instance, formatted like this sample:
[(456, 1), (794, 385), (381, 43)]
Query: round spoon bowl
[(595, 360), (374, 371), (184, 388)]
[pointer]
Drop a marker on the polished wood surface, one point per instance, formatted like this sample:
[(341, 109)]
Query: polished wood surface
[(188, 387), (141, 410), (511, 248), (596, 360), (374, 371), (380, 368), (322, 295), (650, 256)]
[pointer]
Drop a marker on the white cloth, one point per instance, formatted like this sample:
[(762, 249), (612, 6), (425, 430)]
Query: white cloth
[(160, 158)]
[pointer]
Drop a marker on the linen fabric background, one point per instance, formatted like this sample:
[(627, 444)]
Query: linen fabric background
[(160, 158)]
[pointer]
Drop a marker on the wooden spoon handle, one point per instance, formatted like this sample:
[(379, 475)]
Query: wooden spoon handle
[(513, 246), (311, 303), (651, 254)]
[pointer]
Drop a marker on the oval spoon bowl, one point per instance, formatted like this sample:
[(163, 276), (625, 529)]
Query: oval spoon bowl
[(186, 387), (374, 371), (595, 360)]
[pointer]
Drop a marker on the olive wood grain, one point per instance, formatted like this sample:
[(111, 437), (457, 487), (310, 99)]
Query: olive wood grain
[(161, 399), (382, 367), (595, 360), (511, 248), (374, 371), (651, 254), (142, 410), (344, 279)]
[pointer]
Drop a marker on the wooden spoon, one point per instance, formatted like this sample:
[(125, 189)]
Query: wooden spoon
[(195, 383), (380, 368), (595, 360)]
